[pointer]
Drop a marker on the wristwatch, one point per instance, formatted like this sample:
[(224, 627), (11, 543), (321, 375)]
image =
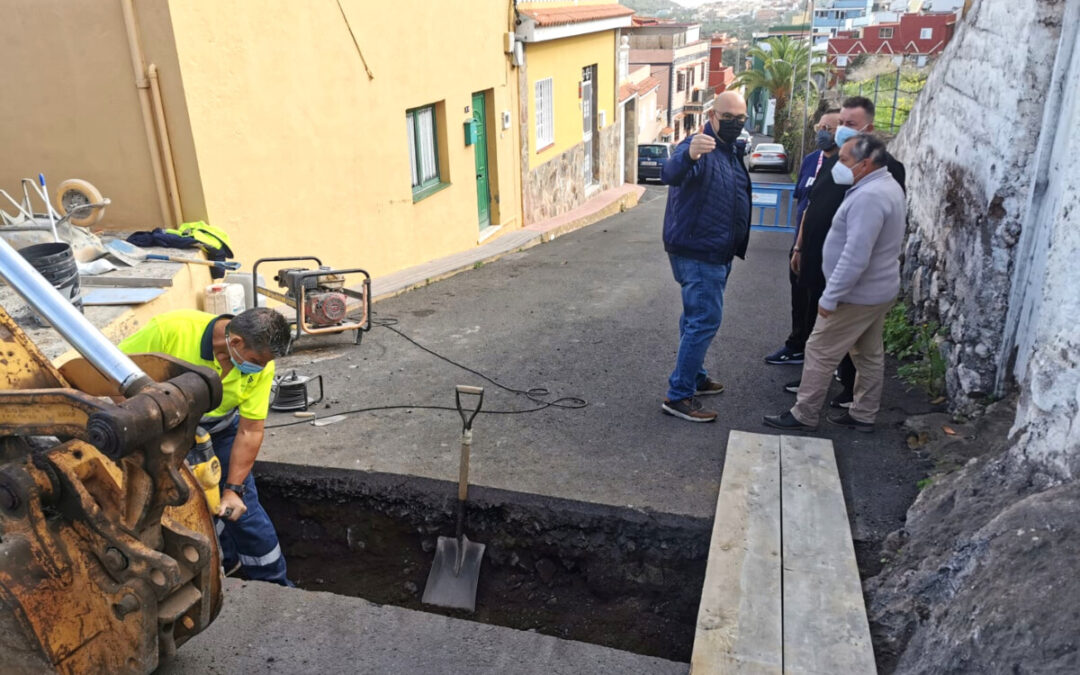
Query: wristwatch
[(238, 489)]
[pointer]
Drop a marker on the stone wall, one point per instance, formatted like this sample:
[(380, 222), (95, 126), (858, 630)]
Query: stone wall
[(558, 185), (968, 147)]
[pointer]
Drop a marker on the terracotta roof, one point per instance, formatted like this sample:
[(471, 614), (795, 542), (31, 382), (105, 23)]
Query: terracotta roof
[(562, 16), (643, 87), (648, 84), (666, 130)]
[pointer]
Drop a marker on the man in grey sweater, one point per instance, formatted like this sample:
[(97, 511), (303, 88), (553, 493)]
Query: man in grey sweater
[(861, 263)]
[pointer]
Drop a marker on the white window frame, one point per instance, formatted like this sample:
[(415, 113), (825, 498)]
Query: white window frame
[(926, 33), (543, 93), (841, 60), (881, 33), (423, 132)]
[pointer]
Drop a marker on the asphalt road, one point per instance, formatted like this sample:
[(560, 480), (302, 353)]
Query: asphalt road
[(593, 314)]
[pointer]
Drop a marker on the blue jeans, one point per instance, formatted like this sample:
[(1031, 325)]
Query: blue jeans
[(703, 307), (251, 540)]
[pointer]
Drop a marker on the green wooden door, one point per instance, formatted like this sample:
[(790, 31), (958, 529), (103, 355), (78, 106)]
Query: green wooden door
[(483, 182)]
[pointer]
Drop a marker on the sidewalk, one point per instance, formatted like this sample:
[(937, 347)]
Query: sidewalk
[(602, 205)]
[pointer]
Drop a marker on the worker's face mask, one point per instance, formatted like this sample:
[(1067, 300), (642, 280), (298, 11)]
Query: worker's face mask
[(842, 174), (245, 367)]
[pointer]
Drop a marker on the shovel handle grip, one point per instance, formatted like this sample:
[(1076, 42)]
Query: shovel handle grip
[(467, 416), (463, 467)]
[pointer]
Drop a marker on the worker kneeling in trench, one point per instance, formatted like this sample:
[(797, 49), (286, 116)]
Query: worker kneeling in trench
[(241, 350)]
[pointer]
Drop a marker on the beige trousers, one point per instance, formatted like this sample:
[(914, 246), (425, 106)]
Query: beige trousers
[(851, 328)]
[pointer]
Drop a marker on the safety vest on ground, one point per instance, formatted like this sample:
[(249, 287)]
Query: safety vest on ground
[(211, 238)]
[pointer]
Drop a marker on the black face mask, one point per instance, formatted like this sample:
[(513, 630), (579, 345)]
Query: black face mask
[(729, 130)]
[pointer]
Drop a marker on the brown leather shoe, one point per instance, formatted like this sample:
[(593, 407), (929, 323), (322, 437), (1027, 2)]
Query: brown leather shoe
[(709, 387), (689, 409)]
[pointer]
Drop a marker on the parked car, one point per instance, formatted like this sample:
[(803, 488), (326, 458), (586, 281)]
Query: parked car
[(650, 160), (769, 156), (746, 139)]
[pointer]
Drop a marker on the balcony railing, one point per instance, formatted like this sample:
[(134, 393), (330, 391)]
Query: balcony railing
[(699, 100)]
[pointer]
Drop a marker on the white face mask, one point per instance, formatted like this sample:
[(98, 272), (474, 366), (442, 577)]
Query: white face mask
[(841, 174)]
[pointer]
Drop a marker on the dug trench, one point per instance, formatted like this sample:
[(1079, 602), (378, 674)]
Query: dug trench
[(618, 577)]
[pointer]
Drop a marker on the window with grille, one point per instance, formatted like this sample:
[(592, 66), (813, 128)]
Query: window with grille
[(545, 114), (885, 33), (423, 150)]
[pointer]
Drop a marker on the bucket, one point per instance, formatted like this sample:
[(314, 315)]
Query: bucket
[(224, 299), (56, 262)]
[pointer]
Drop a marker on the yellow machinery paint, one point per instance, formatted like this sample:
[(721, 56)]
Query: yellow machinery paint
[(108, 557)]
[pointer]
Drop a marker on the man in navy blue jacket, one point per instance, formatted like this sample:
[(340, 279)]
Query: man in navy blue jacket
[(706, 224)]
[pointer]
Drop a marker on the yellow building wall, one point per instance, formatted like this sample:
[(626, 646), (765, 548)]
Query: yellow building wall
[(562, 60), (70, 106), (301, 152)]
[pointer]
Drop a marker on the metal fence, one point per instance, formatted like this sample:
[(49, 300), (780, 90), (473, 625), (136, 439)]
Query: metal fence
[(893, 98)]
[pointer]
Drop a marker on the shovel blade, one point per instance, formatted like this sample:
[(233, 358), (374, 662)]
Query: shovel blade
[(449, 585)]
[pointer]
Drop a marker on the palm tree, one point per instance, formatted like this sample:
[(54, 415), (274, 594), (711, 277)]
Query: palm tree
[(783, 63)]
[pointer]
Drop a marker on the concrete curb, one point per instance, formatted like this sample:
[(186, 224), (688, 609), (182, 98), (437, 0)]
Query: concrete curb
[(599, 207)]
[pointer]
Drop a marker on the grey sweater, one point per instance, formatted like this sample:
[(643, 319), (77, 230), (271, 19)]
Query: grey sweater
[(861, 258)]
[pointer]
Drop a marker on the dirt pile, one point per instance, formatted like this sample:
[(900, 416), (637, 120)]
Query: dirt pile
[(983, 577)]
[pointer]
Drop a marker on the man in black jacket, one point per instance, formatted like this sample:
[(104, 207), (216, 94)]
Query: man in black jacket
[(856, 116)]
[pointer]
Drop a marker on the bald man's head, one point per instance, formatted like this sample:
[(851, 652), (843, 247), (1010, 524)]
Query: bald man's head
[(730, 102)]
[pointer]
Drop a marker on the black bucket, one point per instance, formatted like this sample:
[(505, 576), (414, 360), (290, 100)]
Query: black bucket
[(56, 262)]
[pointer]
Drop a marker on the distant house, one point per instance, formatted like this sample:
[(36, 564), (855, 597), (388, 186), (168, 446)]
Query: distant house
[(570, 141), (678, 57), (651, 115), (719, 75), (914, 39)]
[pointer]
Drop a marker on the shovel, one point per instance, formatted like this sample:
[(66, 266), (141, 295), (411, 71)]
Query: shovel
[(456, 569), (132, 255)]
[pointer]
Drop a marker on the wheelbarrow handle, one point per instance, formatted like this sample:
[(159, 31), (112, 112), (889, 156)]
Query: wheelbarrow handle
[(468, 415)]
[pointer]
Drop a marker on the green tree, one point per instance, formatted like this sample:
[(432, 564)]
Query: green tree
[(779, 63)]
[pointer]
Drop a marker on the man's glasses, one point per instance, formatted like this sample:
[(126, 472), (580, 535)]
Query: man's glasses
[(728, 117)]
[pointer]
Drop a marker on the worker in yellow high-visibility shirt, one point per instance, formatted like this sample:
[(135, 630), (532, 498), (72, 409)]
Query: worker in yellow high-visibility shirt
[(241, 350)]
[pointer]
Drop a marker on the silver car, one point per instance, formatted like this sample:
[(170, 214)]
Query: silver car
[(769, 156)]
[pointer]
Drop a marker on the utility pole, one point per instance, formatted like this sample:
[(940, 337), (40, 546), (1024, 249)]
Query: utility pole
[(809, 62)]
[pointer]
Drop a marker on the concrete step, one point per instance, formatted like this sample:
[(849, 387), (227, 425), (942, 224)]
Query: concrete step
[(265, 628)]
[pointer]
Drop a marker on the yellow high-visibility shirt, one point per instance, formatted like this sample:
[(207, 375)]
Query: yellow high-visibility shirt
[(187, 334)]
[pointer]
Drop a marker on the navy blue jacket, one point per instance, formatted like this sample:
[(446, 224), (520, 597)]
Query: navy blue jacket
[(708, 207)]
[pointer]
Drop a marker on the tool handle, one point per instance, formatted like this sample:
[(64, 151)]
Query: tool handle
[(467, 416), (209, 263), (463, 468)]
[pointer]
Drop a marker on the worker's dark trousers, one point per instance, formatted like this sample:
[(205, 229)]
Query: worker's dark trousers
[(251, 540)]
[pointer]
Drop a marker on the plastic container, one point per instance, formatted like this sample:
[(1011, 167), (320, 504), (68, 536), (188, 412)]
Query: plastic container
[(222, 298), (244, 279), (56, 262)]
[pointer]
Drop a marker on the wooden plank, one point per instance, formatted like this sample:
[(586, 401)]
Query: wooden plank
[(739, 627), (825, 626), (124, 282)]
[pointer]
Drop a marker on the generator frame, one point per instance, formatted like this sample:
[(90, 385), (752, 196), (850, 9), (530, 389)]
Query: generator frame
[(301, 326)]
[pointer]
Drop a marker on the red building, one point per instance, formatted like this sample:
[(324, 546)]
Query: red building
[(915, 38), (719, 76)]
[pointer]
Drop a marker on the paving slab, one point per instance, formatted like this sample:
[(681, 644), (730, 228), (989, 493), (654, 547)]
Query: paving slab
[(265, 628), (592, 314)]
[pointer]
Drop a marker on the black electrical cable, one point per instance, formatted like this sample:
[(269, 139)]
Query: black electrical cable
[(534, 394)]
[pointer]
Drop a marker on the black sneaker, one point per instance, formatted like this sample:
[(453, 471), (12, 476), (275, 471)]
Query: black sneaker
[(846, 420), (787, 422), (784, 356), (689, 409), (709, 387), (792, 387), (842, 400)]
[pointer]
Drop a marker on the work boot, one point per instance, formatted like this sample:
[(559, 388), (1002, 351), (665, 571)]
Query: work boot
[(709, 387), (689, 409), (785, 356)]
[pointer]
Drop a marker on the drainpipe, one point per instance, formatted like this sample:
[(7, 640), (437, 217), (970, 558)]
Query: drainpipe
[(166, 145), (143, 86)]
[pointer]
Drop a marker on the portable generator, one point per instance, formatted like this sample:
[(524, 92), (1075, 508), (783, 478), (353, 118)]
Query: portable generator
[(323, 302)]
